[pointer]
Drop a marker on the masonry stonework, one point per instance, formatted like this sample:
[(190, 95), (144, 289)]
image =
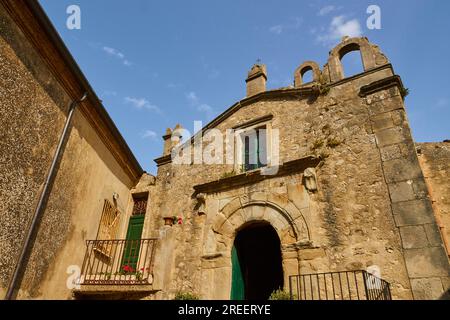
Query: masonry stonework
[(345, 189)]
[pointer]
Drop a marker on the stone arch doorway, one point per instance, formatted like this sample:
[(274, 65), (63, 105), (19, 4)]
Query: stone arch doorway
[(256, 262)]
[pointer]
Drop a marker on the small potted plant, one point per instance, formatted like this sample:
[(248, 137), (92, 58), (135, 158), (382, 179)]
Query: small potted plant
[(170, 221)]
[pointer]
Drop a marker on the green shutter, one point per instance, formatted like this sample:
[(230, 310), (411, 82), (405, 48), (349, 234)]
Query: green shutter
[(258, 162), (237, 282), (133, 244)]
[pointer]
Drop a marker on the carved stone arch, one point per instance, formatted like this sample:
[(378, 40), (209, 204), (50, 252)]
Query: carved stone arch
[(284, 216), (305, 67), (348, 45)]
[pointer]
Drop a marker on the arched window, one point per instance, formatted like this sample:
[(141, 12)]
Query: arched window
[(351, 62), (307, 76), (352, 56), (308, 72)]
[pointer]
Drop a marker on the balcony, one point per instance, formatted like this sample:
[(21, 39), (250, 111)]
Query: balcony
[(118, 263), (346, 285)]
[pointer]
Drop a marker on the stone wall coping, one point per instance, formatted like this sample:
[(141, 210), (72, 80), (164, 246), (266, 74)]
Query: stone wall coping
[(254, 176), (383, 84)]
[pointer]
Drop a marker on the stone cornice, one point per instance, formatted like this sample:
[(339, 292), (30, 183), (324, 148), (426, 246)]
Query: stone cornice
[(253, 122), (163, 160), (37, 28), (383, 84), (254, 176)]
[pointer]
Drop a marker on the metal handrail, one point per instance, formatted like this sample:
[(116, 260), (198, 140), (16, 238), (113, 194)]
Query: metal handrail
[(343, 285), (118, 262)]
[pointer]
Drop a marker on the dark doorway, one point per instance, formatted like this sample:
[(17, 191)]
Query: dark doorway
[(257, 267)]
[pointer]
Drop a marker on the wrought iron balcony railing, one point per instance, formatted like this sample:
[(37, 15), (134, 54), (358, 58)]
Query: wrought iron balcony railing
[(345, 285), (118, 262)]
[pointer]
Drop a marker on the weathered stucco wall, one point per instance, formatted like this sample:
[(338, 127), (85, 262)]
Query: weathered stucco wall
[(88, 174), (32, 116), (30, 122)]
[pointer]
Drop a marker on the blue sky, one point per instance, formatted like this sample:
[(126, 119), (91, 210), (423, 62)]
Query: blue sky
[(158, 63)]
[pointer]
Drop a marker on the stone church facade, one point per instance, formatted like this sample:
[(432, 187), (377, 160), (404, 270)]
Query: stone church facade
[(342, 187)]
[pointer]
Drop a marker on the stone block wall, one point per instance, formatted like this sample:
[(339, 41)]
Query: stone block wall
[(424, 252), (350, 217), (371, 207)]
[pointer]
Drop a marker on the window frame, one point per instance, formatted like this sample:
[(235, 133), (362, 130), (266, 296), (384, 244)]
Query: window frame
[(240, 134)]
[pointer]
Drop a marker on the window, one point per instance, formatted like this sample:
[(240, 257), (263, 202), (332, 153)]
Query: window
[(351, 63), (107, 230), (253, 144), (109, 222), (308, 76), (140, 206)]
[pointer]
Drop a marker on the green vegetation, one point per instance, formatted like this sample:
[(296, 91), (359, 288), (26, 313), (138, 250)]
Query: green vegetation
[(280, 295), (404, 92), (186, 296), (228, 174)]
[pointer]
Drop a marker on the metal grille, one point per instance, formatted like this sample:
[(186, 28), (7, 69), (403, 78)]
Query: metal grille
[(140, 206), (128, 262), (345, 285), (109, 224)]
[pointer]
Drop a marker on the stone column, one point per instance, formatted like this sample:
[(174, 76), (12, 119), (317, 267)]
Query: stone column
[(424, 253)]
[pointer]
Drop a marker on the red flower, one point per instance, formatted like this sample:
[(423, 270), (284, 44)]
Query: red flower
[(180, 220), (127, 268)]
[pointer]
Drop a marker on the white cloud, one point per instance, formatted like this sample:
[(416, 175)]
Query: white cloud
[(201, 107), (113, 52), (207, 110), (142, 103), (204, 108), (276, 29), (213, 73), (339, 28), (192, 98), (294, 24), (149, 134), (117, 54), (326, 10)]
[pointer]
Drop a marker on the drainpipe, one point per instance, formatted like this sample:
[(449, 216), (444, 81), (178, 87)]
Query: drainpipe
[(15, 281)]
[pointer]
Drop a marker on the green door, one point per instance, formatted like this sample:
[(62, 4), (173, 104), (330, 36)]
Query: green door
[(237, 280), (133, 243)]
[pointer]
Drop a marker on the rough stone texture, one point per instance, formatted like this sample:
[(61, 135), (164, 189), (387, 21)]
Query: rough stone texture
[(349, 219), (425, 289), (369, 206), (34, 107), (256, 80), (435, 162), (30, 121), (414, 237), (424, 253)]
